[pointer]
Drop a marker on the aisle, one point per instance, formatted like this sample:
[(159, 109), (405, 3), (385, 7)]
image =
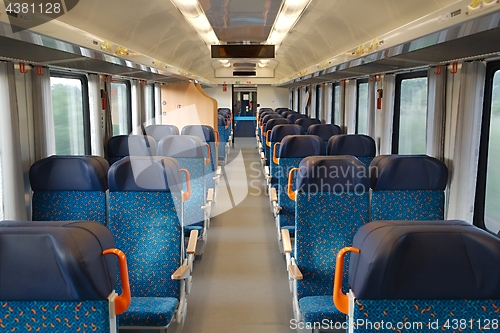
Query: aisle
[(241, 284)]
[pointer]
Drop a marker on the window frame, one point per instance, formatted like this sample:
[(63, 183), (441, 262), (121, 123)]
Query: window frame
[(358, 83), (129, 102), (332, 120), (396, 124), (85, 101), (484, 143), (318, 94)]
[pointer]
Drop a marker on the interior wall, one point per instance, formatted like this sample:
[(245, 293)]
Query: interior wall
[(224, 98), (184, 104), (272, 97)]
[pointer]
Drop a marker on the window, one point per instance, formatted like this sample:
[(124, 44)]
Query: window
[(336, 105), (121, 107), (150, 103), (362, 107), (410, 114), (319, 102), (487, 210), (71, 113)]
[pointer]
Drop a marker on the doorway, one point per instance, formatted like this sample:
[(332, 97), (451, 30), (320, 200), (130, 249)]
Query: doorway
[(244, 110)]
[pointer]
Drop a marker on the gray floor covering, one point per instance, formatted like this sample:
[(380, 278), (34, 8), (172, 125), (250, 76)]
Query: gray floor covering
[(240, 285)]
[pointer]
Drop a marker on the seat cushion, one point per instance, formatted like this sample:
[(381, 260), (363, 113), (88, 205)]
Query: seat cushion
[(316, 309), (149, 311)]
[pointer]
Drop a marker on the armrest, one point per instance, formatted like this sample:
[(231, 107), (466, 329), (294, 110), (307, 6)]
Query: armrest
[(181, 273), (210, 195), (267, 171), (287, 243), (295, 272), (274, 195), (262, 156), (193, 239)]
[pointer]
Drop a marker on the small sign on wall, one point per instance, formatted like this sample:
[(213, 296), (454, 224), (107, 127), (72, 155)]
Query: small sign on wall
[(224, 87)]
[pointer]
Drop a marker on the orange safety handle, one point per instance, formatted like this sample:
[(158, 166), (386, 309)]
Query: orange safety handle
[(22, 68), (217, 138), (341, 300), (275, 153), (227, 122), (186, 195), (122, 301), (291, 194), (268, 134), (207, 160)]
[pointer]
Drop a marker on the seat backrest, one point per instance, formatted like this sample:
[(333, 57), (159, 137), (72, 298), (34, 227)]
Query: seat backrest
[(281, 110), (292, 118), (306, 122), (407, 187), (359, 145), (300, 146), (145, 210), (159, 131), (278, 132), (428, 272), (324, 131), (274, 122), (286, 113), (52, 271), (69, 188), (204, 132), (130, 145), (182, 146), (332, 202)]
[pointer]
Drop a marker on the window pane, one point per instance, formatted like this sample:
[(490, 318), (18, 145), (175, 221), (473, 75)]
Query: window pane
[(67, 108), (413, 116), (362, 124), (120, 115), (336, 105), (492, 208), (150, 103)]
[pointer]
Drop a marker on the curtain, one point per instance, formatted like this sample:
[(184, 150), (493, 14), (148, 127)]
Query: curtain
[(158, 104), (436, 97), (372, 101), (137, 106), (108, 122), (462, 153), (45, 143), (387, 114), (350, 106), (12, 170)]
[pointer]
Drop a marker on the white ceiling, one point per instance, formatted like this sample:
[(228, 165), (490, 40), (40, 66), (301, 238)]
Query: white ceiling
[(327, 28)]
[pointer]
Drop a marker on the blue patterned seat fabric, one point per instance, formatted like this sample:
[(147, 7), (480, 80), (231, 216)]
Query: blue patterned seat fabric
[(277, 134), (206, 134), (270, 125), (69, 188), (129, 145), (144, 216), (54, 278), (407, 187), (263, 122), (331, 204), (292, 150), (190, 151), (428, 272), (358, 145), (158, 132)]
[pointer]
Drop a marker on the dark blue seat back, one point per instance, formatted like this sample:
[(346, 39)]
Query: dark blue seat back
[(182, 146), (324, 131), (157, 132), (300, 146), (281, 110), (359, 145), (274, 122), (69, 188), (130, 145), (292, 118), (204, 132), (306, 122), (407, 187), (280, 131)]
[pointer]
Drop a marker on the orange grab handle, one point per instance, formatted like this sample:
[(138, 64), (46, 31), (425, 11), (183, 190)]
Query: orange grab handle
[(340, 300), (207, 160), (290, 192), (268, 134), (275, 153), (122, 301), (217, 138), (186, 195), (22, 68), (227, 122)]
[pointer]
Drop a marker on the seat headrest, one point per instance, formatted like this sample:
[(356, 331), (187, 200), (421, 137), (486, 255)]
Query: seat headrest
[(286, 113), (225, 110), (69, 173), (274, 122), (306, 122), (301, 146), (204, 132), (221, 120), (280, 131), (324, 131), (55, 261), (358, 145), (159, 131), (294, 116), (408, 172), (131, 145), (138, 173), (332, 174), (425, 260), (262, 110), (181, 146), (281, 110), (268, 117)]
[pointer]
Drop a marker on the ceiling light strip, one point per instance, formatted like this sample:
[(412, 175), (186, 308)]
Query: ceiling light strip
[(289, 14), (195, 16)]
